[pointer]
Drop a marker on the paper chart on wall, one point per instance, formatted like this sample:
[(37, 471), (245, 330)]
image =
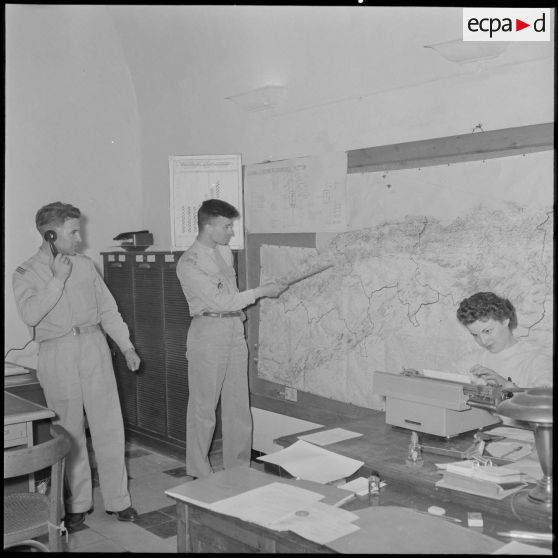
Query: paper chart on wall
[(306, 194), (196, 178)]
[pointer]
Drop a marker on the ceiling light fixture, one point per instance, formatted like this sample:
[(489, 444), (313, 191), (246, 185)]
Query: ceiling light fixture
[(262, 98)]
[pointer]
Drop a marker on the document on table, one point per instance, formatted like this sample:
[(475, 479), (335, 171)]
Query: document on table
[(516, 547), (267, 504), (320, 523), (513, 433), (309, 462), (329, 436), (509, 450)]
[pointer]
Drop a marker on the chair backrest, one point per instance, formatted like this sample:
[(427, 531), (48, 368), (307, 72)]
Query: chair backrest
[(28, 460)]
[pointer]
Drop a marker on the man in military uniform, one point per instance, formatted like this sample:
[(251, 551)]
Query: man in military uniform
[(68, 307), (216, 347)]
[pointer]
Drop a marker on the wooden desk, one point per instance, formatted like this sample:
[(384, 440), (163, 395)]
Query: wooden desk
[(384, 448), (19, 415), (381, 529)]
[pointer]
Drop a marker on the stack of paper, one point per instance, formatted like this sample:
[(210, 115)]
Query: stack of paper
[(282, 507), (490, 481)]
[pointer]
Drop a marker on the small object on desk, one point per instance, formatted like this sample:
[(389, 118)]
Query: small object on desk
[(436, 510), (441, 513), (528, 535), (414, 454), (474, 519), (374, 482)]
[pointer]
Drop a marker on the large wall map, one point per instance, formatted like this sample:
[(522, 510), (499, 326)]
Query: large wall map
[(390, 299)]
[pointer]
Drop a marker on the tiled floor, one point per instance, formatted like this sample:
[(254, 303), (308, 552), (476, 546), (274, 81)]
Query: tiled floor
[(150, 475)]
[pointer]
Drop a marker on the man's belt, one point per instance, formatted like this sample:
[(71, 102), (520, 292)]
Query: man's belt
[(84, 329), (77, 330), (222, 314)]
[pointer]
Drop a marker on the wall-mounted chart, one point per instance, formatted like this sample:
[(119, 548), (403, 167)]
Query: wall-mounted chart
[(196, 178)]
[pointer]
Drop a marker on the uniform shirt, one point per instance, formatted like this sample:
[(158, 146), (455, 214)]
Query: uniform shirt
[(53, 308), (208, 280), (525, 362)]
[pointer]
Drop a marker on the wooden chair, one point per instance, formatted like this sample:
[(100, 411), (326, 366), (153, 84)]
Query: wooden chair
[(30, 514)]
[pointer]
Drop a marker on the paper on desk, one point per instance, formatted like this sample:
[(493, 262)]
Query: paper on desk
[(513, 433), (358, 486), (509, 450), (323, 523), (530, 466), (267, 504), (309, 462), (516, 547), (14, 370), (329, 436), (450, 376)]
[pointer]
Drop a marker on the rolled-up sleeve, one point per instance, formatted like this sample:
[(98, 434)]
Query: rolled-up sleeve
[(110, 317)]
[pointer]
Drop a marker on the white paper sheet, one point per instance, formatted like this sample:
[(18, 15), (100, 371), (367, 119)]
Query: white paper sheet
[(329, 436), (530, 466), (516, 547), (309, 462), (513, 433), (358, 486), (450, 376), (267, 504), (509, 450), (319, 522)]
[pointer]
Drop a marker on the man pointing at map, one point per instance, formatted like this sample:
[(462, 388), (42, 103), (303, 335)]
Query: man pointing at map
[(216, 348)]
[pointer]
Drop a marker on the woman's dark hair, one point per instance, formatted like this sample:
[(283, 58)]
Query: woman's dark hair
[(483, 306)]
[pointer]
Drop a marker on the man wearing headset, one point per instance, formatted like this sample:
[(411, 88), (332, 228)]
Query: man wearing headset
[(61, 296)]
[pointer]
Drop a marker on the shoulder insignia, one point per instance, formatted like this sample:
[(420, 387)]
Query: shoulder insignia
[(21, 270)]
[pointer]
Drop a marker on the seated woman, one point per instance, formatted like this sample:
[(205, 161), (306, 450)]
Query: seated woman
[(503, 359)]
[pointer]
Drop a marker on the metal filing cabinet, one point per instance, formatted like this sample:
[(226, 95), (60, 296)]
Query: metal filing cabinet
[(151, 301)]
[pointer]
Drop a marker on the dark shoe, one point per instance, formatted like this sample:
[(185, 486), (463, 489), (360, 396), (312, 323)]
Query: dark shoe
[(73, 521), (129, 514)]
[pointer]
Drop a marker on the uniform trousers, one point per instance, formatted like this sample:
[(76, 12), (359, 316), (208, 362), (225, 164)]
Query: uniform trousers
[(217, 367), (76, 374)]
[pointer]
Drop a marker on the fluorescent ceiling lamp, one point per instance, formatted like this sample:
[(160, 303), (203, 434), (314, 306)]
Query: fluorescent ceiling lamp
[(465, 51), (262, 98)]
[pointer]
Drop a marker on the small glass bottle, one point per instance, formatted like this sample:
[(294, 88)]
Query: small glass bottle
[(374, 489), (414, 454)]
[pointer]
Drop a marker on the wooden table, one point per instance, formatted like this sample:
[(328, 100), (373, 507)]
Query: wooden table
[(19, 415), (384, 448), (380, 529)]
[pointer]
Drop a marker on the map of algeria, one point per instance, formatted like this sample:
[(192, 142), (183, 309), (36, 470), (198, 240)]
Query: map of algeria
[(389, 300)]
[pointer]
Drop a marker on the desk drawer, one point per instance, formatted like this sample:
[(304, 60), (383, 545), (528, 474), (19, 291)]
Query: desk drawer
[(14, 433)]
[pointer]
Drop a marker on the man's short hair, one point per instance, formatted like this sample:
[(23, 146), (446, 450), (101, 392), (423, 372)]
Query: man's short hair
[(210, 209), (54, 215), (484, 306)]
